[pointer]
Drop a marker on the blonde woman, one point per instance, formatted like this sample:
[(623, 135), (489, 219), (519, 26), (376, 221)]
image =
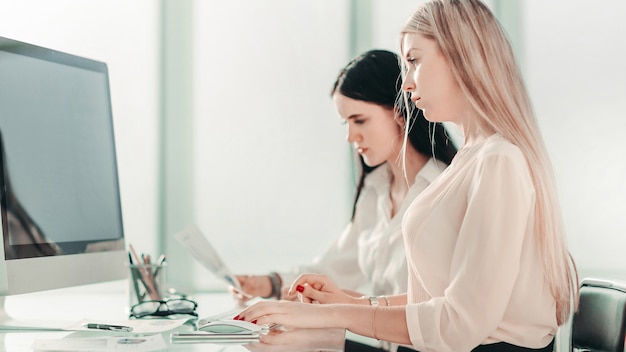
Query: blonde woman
[(489, 269)]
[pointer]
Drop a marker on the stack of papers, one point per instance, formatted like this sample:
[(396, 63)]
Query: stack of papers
[(221, 328), (213, 337)]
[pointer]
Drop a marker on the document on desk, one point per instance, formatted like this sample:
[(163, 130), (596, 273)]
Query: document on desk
[(201, 249), (134, 343), (135, 326), (207, 337)]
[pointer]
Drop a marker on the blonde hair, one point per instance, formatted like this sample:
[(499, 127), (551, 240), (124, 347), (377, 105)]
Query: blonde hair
[(483, 63)]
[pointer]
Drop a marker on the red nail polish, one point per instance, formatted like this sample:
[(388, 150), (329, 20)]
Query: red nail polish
[(254, 321), (300, 288), (236, 317)]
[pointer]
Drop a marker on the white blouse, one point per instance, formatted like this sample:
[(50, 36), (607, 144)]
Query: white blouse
[(475, 274), (369, 256)]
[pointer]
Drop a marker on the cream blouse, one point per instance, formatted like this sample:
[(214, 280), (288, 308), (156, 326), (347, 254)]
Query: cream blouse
[(369, 255), (475, 275)]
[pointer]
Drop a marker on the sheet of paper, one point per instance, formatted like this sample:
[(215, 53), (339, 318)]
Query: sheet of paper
[(141, 343), (203, 337), (140, 326), (201, 249)]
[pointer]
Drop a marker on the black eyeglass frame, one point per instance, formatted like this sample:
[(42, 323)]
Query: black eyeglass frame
[(163, 312)]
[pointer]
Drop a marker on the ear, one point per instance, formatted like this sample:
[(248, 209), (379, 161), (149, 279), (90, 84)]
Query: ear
[(399, 117)]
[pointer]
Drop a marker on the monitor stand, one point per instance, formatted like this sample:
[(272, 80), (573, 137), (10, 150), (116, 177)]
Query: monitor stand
[(9, 323)]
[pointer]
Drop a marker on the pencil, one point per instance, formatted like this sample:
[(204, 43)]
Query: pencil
[(152, 292)]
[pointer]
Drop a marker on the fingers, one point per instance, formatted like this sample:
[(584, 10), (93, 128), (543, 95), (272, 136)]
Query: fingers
[(240, 295), (251, 286), (293, 298), (288, 297), (316, 281), (316, 288), (308, 294), (265, 312)]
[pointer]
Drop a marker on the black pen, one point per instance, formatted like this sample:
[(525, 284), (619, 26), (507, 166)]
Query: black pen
[(108, 327)]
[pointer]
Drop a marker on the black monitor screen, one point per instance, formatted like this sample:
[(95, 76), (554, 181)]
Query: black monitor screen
[(60, 192)]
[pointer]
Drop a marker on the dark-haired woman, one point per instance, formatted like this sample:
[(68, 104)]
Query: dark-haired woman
[(368, 258)]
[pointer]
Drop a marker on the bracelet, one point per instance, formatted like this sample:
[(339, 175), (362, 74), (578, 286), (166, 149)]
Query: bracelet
[(277, 284), (386, 300), (375, 300)]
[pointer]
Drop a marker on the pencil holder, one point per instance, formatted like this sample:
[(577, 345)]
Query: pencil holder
[(146, 282)]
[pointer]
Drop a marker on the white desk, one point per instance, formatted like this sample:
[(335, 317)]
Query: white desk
[(109, 302)]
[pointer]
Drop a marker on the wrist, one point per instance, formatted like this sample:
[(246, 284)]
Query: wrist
[(276, 284), (265, 286), (385, 299), (363, 300), (375, 301)]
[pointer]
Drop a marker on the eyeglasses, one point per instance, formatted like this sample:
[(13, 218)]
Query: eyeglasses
[(164, 308)]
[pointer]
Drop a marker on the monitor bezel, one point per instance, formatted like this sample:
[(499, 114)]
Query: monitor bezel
[(25, 275)]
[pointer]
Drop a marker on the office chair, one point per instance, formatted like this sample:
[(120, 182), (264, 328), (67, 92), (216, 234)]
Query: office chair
[(599, 325)]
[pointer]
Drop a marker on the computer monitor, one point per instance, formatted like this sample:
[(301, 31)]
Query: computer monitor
[(60, 198)]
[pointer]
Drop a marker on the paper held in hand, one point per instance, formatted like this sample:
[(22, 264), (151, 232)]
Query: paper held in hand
[(201, 249)]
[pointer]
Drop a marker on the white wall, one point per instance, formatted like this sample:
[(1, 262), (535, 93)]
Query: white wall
[(272, 175), (574, 57), (388, 20), (125, 35)]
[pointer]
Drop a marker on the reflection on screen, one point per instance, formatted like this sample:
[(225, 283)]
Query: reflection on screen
[(60, 190)]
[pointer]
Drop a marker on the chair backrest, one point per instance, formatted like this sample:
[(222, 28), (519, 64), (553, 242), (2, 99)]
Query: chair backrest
[(599, 325)]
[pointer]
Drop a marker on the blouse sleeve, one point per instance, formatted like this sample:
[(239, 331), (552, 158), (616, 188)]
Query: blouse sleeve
[(485, 258)]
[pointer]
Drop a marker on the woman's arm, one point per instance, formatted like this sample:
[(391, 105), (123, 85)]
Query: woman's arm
[(385, 323), (384, 300), (316, 288)]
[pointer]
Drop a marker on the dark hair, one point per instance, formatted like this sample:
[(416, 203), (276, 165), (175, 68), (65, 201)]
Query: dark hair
[(32, 242), (375, 77)]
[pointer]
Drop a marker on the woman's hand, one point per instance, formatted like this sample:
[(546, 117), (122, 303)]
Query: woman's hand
[(285, 295), (251, 286), (290, 315), (315, 288)]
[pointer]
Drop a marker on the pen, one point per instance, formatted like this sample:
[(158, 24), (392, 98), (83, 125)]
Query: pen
[(134, 277), (108, 327), (148, 280), (159, 264), (161, 259)]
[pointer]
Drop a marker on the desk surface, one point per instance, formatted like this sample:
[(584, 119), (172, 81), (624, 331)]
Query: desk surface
[(108, 302)]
